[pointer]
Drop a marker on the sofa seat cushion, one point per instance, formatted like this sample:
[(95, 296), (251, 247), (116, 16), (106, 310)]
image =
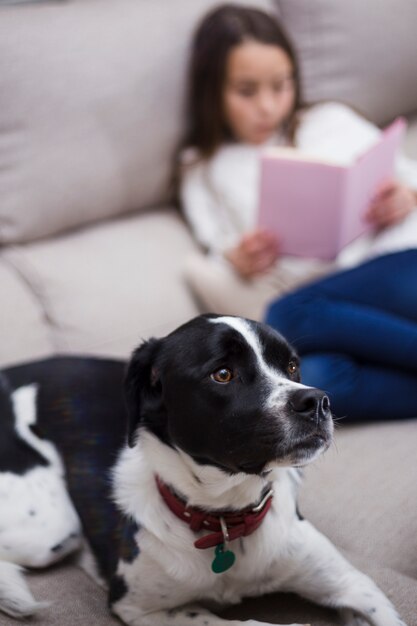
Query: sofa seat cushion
[(75, 598), (25, 331), (362, 494), (105, 288), (78, 600)]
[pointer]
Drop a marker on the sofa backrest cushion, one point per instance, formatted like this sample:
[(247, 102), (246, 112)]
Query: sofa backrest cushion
[(361, 53), (91, 108)]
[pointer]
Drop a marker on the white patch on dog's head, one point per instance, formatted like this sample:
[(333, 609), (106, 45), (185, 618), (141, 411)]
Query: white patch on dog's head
[(280, 384), (243, 327)]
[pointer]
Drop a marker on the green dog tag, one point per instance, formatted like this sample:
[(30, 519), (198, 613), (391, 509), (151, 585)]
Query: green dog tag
[(223, 560)]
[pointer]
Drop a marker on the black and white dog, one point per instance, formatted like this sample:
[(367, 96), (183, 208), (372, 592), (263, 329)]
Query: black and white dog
[(198, 503)]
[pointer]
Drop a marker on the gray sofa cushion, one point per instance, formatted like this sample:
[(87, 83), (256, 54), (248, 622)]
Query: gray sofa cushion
[(91, 109), (104, 289), (77, 600), (362, 494), (362, 53), (410, 144), (25, 331)]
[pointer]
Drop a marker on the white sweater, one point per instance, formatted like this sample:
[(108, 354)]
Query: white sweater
[(220, 196)]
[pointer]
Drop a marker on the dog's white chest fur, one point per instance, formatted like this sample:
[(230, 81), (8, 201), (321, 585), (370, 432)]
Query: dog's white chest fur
[(169, 574), (166, 544)]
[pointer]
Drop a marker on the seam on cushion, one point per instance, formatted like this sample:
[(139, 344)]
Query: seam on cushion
[(30, 277), (306, 35)]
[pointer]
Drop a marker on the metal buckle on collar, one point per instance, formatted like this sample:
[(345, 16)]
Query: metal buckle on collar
[(264, 500), (225, 532)]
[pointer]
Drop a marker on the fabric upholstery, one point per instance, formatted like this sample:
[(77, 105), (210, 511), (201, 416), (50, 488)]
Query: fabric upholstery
[(25, 331), (87, 127), (410, 144), (104, 289), (370, 496), (362, 53)]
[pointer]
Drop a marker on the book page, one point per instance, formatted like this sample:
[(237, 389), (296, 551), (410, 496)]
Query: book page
[(300, 202), (369, 171), (315, 208)]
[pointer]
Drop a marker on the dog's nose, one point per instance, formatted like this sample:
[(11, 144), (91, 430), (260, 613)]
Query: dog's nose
[(310, 403)]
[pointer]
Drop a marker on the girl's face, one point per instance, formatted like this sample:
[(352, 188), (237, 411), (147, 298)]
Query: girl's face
[(259, 91)]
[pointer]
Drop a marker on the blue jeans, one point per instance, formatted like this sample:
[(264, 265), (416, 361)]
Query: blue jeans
[(356, 333)]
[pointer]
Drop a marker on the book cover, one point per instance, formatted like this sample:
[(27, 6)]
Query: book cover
[(316, 207)]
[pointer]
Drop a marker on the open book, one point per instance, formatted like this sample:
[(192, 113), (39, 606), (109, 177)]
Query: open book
[(317, 207)]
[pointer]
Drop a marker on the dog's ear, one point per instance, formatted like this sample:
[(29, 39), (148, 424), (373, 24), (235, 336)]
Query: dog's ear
[(141, 383)]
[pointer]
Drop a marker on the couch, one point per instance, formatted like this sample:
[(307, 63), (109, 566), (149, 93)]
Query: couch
[(92, 252)]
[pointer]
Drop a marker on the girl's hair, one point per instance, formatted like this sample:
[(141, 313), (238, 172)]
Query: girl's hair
[(221, 30)]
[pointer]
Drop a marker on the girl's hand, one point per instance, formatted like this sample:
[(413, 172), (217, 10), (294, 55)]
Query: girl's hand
[(255, 254), (392, 203)]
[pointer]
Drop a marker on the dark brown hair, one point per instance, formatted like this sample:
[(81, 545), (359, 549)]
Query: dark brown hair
[(221, 30)]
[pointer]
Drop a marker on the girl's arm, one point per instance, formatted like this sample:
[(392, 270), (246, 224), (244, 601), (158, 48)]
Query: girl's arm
[(249, 254), (406, 172), (255, 254), (200, 209)]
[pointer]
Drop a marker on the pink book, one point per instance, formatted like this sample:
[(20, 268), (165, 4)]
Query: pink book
[(316, 207)]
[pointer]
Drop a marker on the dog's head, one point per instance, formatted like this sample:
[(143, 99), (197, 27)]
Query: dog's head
[(227, 391)]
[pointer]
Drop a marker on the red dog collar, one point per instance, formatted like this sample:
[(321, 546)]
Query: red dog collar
[(225, 526)]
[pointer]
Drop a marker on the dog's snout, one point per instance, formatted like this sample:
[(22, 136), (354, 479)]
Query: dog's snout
[(310, 403)]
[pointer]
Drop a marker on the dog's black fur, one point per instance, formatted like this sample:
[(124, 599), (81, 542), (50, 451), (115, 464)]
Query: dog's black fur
[(81, 409), (169, 392)]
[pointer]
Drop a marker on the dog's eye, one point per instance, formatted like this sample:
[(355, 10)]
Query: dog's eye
[(223, 375), (292, 368)]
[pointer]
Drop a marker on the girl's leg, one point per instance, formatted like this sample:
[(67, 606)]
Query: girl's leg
[(368, 313), (361, 391), (387, 282), (219, 289)]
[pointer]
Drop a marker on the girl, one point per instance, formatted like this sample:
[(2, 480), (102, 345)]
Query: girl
[(244, 94)]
